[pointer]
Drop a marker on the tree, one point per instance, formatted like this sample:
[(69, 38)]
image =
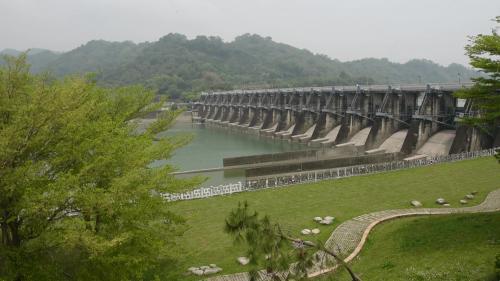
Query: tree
[(484, 52), (270, 248), (78, 199)]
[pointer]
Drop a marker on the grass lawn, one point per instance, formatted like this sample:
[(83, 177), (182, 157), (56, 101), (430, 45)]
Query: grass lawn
[(295, 206), (453, 247)]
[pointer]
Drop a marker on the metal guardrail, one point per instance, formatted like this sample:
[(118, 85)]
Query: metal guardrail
[(319, 175)]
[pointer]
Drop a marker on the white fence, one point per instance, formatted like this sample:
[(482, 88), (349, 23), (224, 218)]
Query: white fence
[(318, 175)]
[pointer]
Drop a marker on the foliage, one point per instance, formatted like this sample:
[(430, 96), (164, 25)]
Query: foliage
[(270, 248), (484, 52), (177, 66), (77, 198)]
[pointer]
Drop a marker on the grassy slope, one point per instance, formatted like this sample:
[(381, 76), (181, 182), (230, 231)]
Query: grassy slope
[(295, 206), (457, 247)]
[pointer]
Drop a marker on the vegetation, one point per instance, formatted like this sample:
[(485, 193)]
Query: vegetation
[(77, 199), (448, 248), (175, 65), (271, 249), (484, 53), (294, 207)]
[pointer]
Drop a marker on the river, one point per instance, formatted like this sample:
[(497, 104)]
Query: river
[(210, 145)]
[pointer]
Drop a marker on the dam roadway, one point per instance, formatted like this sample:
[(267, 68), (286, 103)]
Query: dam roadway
[(414, 119)]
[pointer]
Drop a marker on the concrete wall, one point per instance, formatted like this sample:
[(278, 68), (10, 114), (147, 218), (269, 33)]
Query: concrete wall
[(322, 164)]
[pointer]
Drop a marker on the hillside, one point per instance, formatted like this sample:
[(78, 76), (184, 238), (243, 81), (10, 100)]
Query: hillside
[(175, 65)]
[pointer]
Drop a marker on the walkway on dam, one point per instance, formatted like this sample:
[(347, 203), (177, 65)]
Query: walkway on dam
[(348, 238)]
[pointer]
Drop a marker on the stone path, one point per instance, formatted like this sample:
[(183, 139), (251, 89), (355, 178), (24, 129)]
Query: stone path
[(348, 238)]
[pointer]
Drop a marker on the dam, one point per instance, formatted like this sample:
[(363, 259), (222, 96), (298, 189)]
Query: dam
[(362, 122)]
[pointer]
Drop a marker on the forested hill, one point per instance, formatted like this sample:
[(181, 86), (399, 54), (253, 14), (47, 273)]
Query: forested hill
[(176, 66)]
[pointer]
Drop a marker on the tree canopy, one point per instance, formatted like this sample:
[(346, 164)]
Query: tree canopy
[(177, 66), (484, 53), (78, 198)]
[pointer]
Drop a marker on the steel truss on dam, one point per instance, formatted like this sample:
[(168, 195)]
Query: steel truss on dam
[(379, 118)]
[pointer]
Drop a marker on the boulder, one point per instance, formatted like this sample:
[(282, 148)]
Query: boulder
[(243, 260), (317, 219), (463, 201), (416, 203), (315, 231), (440, 201), (306, 231), (469, 196)]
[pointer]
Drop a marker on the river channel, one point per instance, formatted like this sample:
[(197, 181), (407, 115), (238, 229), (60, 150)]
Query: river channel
[(209, 145)]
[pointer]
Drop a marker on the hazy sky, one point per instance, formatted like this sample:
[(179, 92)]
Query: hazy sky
[(342, 29)]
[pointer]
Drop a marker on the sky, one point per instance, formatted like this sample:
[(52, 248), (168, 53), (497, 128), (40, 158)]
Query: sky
[(399, 30)]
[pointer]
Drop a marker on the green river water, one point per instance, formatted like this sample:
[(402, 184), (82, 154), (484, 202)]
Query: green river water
[(211, 144)]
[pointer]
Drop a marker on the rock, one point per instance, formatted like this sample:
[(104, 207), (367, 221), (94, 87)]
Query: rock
[(446, 205), (212, 265), (317, 219), (326, 222), (204, 267), (469, 196), (416, 203), (473, 192), (440, 201), (463, 201), (306, 231), (243, 260), (328, 218), (198, 272), (191, 269), (211, 270), (315, 231)]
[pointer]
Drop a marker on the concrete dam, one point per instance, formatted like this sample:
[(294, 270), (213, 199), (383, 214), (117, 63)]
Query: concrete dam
[(409, 121)]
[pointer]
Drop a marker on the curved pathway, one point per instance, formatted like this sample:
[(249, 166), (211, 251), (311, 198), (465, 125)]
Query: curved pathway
[(348, 238)]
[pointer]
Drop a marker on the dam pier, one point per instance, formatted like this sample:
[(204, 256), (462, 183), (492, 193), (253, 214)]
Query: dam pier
[(414, 120)]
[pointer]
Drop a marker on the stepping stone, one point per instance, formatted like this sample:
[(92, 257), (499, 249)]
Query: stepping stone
[(198, 272), (463, 201), (416, 203), (306, 231), (315, 231), (212, 270), (469, 196), (328, 218), (317, 219), (243, 260), (440, 201)]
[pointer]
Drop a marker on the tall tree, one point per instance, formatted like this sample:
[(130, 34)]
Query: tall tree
[(78, 198), (484, 54)]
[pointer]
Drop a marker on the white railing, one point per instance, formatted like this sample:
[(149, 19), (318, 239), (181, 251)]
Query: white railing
[(319, 175)]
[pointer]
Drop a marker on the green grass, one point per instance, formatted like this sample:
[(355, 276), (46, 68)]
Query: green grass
[(295, 206), (452, 247)]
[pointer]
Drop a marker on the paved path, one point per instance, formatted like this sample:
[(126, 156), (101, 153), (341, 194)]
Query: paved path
[(348, 238)]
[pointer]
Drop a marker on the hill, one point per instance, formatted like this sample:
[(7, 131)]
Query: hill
[(175, 65)]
